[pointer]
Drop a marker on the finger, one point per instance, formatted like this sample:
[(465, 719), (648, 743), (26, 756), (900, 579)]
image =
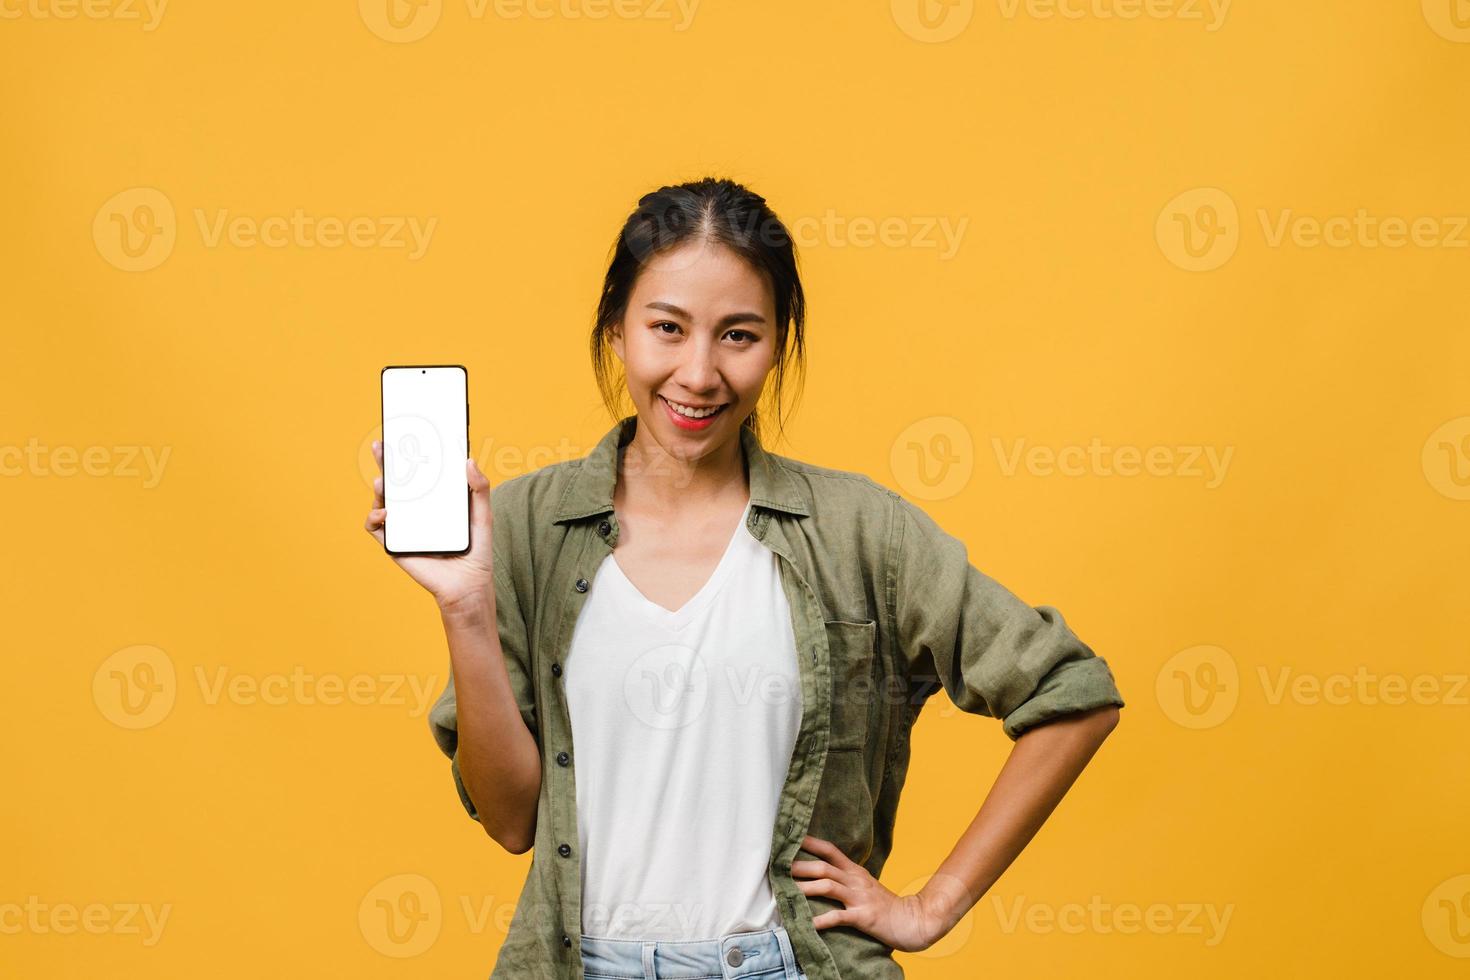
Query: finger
[(828, 850), (378, 500), (830, 919), (812, 869), (375, 519), (378, 454), (826, 887)]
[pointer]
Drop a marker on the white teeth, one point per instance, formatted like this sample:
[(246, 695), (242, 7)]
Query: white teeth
[(693, 413)]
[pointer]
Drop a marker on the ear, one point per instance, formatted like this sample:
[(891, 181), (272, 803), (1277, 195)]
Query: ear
[(615, 338)]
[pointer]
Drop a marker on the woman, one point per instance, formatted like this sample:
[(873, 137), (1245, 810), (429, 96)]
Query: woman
[(740, 643)]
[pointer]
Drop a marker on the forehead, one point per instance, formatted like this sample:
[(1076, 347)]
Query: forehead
[(703, 274)]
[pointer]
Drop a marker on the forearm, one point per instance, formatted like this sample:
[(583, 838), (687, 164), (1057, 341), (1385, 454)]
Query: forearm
[(499, 761), (1044, 763)]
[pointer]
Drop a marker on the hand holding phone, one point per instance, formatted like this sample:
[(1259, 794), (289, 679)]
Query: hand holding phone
[(431, 504)]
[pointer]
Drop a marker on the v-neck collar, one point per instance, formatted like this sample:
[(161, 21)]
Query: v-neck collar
[(676, 619)]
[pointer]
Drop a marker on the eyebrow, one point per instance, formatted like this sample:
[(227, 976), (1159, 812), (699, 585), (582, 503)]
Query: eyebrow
[(727, 321)]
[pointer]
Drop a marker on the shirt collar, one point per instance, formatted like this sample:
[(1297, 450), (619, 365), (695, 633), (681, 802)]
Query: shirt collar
[(589, 490)]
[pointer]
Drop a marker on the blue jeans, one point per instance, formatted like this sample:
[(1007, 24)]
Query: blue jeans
[(761, 955)]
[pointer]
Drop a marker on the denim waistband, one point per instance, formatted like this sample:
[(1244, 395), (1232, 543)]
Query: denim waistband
[(763, 954)]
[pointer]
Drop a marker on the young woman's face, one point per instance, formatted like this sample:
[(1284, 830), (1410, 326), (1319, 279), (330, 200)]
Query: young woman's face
[(699, 334)]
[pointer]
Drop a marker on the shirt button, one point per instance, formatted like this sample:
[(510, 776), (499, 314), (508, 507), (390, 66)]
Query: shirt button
[(581, 585), (564, 850), (566, 940), (734, 957), (604, 529), (562, 758), (556, 670)]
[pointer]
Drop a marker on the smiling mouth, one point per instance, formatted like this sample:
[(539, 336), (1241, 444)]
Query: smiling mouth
[(694, 411)]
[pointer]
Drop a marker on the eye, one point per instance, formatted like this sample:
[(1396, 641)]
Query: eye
[(665, 323), (746, 334)]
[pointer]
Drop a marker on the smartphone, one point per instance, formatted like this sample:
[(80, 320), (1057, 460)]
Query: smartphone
[(426, 440)]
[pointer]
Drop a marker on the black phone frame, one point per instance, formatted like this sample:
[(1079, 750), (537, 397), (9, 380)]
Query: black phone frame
[(469, 494)]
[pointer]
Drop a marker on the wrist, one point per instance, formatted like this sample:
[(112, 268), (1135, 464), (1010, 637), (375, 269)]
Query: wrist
[(945, 901), (474, 606)]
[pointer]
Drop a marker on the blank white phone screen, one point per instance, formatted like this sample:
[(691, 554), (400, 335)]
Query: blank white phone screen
[(425, 444)]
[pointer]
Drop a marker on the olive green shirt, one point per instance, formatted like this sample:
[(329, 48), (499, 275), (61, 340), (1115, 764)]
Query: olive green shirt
[(886, 609)]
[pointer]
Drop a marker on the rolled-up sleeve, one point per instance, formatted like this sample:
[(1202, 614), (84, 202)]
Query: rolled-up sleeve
[(444, 715), (994, 654)]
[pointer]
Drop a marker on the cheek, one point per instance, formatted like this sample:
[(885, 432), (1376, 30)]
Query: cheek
[(751, 378), (642, 367)]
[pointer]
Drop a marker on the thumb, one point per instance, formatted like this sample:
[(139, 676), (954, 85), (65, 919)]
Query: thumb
[(480, 494)]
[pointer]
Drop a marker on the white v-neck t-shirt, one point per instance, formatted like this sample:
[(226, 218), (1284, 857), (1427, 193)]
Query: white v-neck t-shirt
[(684, 723)]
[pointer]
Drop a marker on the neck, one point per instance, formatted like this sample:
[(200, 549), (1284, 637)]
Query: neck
[(670, 484)]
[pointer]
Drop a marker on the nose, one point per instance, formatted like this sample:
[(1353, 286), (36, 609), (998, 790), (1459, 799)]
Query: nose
[(698, 370)]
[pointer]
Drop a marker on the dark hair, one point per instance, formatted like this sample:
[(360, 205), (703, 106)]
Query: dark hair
[(724, 213)]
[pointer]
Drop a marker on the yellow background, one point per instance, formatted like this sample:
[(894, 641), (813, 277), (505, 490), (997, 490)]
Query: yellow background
[(1333, 835)]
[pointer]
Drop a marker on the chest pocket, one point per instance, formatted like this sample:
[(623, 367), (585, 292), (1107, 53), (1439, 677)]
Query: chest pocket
[(850, 648)]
